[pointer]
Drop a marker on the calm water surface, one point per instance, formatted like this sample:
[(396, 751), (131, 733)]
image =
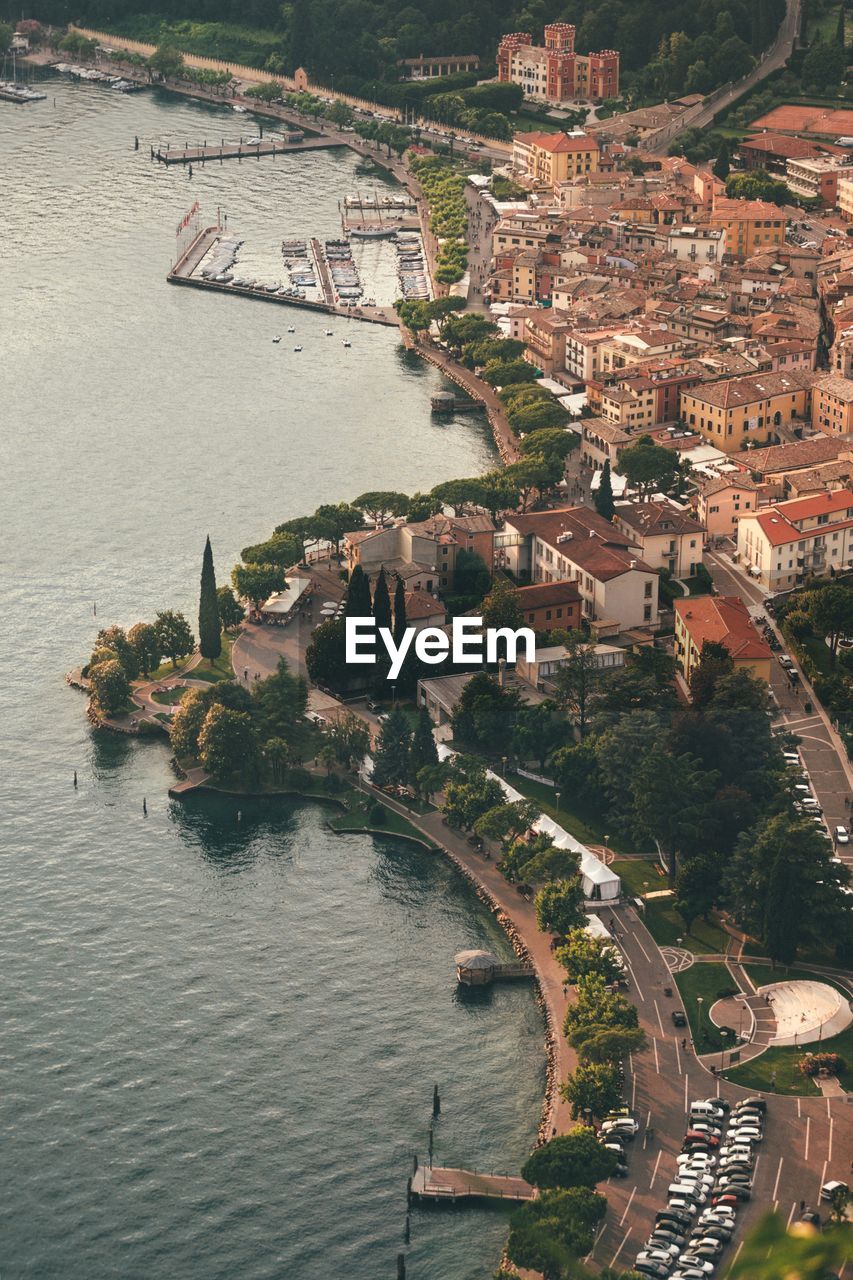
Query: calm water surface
[(219, 1036)]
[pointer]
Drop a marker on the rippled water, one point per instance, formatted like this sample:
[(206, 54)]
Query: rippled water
[(219, 1036)]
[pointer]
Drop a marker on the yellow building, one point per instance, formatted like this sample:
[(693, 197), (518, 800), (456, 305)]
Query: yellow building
[(750, 225), (550, 158), (832, 405), (724, 620), (737, 411)]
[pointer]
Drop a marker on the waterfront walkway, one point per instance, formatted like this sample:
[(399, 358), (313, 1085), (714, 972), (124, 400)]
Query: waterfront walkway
[(504, 436), (431, 1183)]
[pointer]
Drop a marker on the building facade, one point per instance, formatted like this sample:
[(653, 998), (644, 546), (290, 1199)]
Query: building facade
[(832, 405), (782, 545), (722, 620), (553, 72), (738, 411)]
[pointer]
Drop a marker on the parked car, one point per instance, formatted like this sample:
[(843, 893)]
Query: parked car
[(679, 1018), (842, 835)]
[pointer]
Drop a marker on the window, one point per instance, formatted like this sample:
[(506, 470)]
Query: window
[(647, 613), (648, 590)]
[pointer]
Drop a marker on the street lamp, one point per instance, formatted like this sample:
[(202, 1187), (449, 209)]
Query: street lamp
[(503, 762), (558, 801), (700, 1000), (724, 1031)]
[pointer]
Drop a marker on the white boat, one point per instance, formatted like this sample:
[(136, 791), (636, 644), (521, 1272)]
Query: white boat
[(277, 338), (241, 110), (329, 333), (297, 348), (347, 342)]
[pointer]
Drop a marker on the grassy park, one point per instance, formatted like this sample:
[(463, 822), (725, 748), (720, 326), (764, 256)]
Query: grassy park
[(706, 982)]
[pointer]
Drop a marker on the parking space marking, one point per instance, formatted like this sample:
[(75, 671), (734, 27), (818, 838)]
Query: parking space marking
[(657, 1059), (822, 1179), (829, 1142), (621, 1247), (778, 1176), (633, 1090), (634, 979), (624, 1216), (677, 1055), (686, 1081), (737, 1252), (791, 1214), (799, 1114), (655, 1170), (660, 1019), (808, 1130), (598, 1236)]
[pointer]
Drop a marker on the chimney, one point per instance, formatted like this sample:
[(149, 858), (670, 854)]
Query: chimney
[(632, 564)]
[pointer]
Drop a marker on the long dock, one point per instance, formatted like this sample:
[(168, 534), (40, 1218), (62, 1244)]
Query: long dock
[(452, 1185), (237, 150)]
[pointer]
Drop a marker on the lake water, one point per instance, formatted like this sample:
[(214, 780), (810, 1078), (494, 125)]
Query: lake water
[(220, 1034)]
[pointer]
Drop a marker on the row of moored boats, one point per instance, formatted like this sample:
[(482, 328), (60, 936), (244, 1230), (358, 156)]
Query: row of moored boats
[(411, 268)]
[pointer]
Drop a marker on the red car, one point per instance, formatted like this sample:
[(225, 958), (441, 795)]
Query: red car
[(693, 1135)]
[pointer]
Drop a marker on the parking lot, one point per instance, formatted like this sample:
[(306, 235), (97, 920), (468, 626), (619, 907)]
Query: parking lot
[(806, 1140)]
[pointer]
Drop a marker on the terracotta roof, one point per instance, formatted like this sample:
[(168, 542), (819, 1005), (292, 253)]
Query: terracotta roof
[(420, 604), (833, 384), (726, 210), (560, 142), (541, 594), (780, 144), (726, 621), (650, 518), (737, 480), (593, 544), (733, 392), (790, 457), (807, 508), (779, 524)]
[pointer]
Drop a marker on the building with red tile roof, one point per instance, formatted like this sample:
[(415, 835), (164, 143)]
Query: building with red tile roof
[(720, 620), (783, 544)]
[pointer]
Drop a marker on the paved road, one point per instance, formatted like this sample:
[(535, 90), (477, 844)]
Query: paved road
[(774, 58), (828, 769), (481, 222), (807, 1140)]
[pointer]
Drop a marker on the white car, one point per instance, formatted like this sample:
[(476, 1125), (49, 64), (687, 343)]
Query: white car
[(696, 1264), (688, 1190), (659, 1253), (842, 835), (748, 1133)]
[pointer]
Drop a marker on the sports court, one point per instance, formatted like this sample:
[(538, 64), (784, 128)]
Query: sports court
[(834, 122)]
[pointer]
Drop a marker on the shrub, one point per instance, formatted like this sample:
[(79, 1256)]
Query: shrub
[(812, 1063), (376, 817)]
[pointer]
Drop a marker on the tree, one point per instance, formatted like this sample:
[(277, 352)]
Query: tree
[(596, 1005), (228, 744), (603, 496), (257, 582), (841, 29), (592, 1089), (649, 467), (109, 687), (483, 715), (391, 765), (338, 518), (381, 504), (298, 532), (358, 603), (467, 800), (209, 626), (6, 33), (672, 797), (471, 575), (277, 755), (167, 62), (382, 602), (697, 886), (831, 612), (231, 612), (505, 373), (757, 184), (538, 732), (325, 657), (174, 637), (577, 679), (714, 663), (424, 752), (610, 1044), (113, 640), (559, 906), (280, 702), (458, 494), (506, 822), (282, 549), (501, 607), (555, 1230), (499, 493), (771, 1250), (582, 954), (533, 474), (824, 64), (538, 859), (722, 164), (350, 738), (575, 1159), (142, 637)]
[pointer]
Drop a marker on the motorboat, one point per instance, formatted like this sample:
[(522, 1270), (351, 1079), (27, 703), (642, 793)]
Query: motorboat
[(329, 333), (277, 338), (297, 348), (347, 342)]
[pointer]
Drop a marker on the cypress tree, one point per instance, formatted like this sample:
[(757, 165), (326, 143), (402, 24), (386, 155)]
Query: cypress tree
[(358, 595), (399, 611), (604, 504), (842, 22), (423, 751), (209, 626), (722, 164), (382, 602)]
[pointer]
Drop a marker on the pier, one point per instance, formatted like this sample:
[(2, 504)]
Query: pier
[(237, 150), (479, 968), (449, 1186)]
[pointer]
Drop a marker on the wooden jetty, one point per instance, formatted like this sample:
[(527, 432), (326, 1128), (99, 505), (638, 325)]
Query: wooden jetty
[(447, 402), (323, 272), (237, 150), (449, 1186), (479, 968)]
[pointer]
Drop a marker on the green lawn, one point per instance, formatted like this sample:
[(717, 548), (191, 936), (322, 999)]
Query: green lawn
[(168, 697), (707, 981), (219, 669), (663, 922), (357, 817), (789, 1078), (586, 826)]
